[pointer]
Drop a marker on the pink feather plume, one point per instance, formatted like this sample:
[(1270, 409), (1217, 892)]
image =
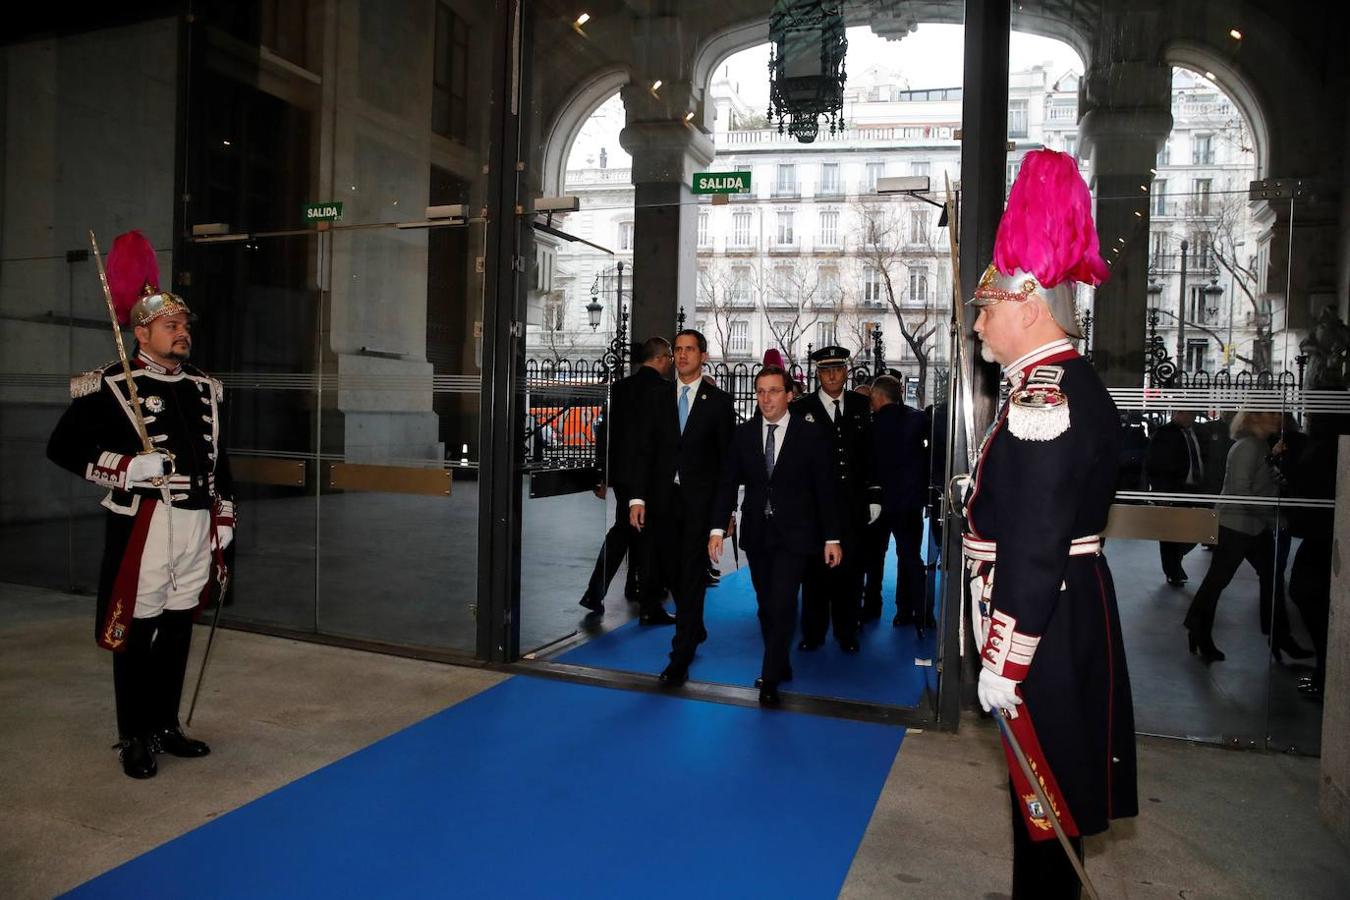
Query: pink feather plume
[(131, 266), (1047, 229)]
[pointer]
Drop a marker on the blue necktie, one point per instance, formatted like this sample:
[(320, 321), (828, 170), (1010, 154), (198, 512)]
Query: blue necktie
[(768, 467), (684, 407)]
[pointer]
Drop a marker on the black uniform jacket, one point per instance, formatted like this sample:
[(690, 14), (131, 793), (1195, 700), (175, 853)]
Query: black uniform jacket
[(96, 438), (696, 455), (801, 492), (1056, 624), (851, 450), (618, 433), (1168, 461)]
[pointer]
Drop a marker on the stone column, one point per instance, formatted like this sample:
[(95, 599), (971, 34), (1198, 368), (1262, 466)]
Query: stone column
[(666, 152), (1335, 790)]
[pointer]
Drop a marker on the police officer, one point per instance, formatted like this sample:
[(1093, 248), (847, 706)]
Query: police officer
[(170, 512), (834, 594), (1047, 625)]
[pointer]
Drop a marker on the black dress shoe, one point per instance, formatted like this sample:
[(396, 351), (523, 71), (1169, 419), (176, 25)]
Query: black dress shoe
[(137, 759), (702, 635), (902, 619), (768, 695), (849, 646), (594, 605), (807, 646), (656, 617), (674, 675), (759, 682), (173, 742), (1176, 580), (1204, 647)]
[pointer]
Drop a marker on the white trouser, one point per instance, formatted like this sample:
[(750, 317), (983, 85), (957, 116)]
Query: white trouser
[(191, 554)]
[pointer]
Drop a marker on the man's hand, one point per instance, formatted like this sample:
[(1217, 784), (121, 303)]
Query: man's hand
[(731, 525), (873, 512), (637, 515), (224, 536), (834, 555), (997, 692), (600, 490), (147, 466), (715, 548)]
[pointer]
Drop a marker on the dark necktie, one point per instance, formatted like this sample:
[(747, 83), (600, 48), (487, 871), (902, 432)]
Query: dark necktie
[(768, 467), (836, 412), (1196, 471)]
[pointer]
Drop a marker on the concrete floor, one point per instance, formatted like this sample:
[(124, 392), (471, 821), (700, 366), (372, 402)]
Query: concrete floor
[(1215, 823)]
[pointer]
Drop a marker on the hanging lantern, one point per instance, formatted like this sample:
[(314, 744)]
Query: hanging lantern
[(806, 67)]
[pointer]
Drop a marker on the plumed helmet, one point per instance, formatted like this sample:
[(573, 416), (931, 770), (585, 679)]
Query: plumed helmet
[(1046, 240), (133, 281)]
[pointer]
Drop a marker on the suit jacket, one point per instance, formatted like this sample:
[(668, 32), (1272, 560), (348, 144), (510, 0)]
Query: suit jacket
[(899, 434), (1167, 461), (696, 455), (801, 491), (618, 432), (851, 448)]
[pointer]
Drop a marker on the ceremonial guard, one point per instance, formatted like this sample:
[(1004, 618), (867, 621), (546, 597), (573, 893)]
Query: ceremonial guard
[(148, 428), (1044, 607), (834, 594)]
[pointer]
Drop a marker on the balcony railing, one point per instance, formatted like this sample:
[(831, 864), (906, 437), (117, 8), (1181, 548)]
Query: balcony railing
[(936, 131), (1199, 263)]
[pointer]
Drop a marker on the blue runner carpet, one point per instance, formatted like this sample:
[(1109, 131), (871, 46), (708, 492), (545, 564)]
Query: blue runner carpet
[(886, 670), (537, 788)]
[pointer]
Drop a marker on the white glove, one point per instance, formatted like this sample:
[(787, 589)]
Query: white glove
[(146, 466), (224, 535), (873, 512), (997, 692)]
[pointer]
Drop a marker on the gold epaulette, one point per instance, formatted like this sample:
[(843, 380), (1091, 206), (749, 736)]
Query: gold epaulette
[(86, 383), (217, 388)]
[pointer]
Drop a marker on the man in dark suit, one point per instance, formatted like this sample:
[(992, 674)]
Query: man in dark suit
[(1175, 464), (686, 428), (902, 470), (615, 436), (789, 514), (834, 593)]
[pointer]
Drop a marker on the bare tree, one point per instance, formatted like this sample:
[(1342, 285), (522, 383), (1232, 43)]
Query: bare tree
[(1228, 220), (790, 296), (718, 298), (552, 339), (889, 241)]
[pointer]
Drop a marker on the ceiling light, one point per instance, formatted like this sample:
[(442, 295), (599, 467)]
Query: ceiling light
[(656, 85), (689, 117), (1235, 34), (1209, 75), (1153, 171), (582, 20)]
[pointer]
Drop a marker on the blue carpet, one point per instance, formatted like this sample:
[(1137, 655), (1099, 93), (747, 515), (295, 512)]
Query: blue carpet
[(884, 671), (544, 789)]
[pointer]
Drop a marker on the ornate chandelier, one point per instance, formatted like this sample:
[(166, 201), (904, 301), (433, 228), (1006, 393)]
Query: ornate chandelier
[(806, 67)]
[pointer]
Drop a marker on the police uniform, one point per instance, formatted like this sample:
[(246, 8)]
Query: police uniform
[(834, 595), (1043, 602), (162, 556)]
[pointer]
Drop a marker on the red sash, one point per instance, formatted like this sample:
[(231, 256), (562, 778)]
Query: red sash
[(112, 635), (1037, 820)]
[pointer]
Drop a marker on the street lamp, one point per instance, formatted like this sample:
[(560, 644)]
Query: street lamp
[(594, 309)]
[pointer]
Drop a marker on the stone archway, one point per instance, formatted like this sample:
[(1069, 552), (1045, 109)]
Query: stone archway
[(571, 116)]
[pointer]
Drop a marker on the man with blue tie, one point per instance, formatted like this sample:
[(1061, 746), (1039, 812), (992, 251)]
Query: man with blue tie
[(789, 517), (679, 459)]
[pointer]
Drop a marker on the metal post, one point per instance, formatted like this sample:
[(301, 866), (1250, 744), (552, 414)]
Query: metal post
[(1181, 313)]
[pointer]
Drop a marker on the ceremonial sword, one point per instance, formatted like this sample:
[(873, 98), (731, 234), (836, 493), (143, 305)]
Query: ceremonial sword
[(965, 371)]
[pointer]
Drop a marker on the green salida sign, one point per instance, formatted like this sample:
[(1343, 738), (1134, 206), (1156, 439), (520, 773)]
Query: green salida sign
[(721, 182), (323, 212)]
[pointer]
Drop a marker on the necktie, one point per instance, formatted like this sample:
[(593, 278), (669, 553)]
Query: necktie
[(684, 406), (768, 468), (836, 411), (1196, 471)]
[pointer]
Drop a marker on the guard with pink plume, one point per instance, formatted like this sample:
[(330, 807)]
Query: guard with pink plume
[(133, 279)]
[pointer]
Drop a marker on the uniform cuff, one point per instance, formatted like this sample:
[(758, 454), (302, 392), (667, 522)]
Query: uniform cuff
[(637, 501), (1007, 651), (717, 532), (109, 470)]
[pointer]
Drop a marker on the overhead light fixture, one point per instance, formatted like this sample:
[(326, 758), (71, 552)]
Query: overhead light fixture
[(226, 143), (807, 46), (1138, 214), (1235, 34), (1153, 171), (1144, 188), (656, 85), (582, 19), (689, 116), (1209, 75)]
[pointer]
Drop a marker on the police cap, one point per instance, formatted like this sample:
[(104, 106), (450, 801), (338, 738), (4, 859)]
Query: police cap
[(830, 356)]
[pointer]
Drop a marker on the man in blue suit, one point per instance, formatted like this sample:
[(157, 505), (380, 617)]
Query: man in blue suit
[(684, 434), (902, 470), (789, 517)]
